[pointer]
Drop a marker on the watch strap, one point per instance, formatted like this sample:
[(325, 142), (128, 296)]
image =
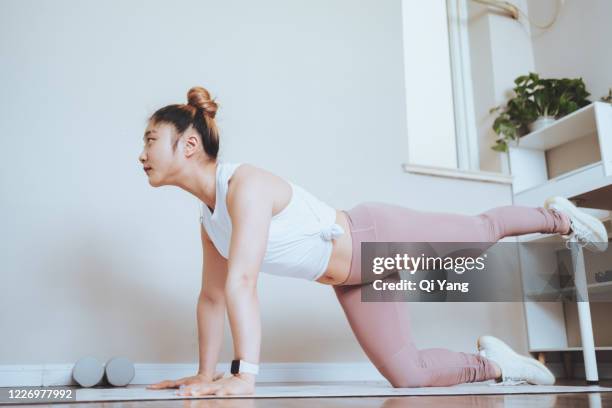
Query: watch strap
[(241, 366)]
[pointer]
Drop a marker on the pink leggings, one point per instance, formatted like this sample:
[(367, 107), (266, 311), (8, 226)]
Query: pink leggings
[(383, 328)]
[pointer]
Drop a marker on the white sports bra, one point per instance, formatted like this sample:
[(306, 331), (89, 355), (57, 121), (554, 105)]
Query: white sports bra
[(299, 242)]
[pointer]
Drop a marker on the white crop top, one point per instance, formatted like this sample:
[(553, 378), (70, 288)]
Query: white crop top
[(299, 242)]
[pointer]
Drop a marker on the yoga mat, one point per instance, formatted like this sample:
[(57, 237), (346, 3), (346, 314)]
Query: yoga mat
[(358, 389)]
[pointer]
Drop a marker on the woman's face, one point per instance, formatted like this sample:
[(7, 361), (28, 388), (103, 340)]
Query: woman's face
[(157, 157)]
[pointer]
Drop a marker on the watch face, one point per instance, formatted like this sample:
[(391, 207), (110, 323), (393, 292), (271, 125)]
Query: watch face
[(235, 366)]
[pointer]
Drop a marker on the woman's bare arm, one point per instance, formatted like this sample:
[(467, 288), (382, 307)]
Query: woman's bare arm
[(210, 318), (250, 209), (211, 306)]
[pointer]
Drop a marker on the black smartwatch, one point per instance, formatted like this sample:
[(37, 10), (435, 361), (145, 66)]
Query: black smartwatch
[(241, 366)]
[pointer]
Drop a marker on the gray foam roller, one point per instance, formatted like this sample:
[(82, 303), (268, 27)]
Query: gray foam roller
[(88, 372), (119, 371)]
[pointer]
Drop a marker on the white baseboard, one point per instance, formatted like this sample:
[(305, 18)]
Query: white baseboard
[(61, 374)]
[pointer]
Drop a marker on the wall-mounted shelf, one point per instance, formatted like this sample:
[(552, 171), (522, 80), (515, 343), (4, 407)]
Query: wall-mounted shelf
[(576, 125), (578, 143)]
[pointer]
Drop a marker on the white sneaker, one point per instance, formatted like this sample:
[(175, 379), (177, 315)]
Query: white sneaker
[(586, 230), (515, 368)]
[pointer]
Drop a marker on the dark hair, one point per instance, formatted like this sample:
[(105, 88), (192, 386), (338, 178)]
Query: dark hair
[(200, 112)]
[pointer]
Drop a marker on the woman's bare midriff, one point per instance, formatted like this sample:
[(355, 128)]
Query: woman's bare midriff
[(340, 261), (342, 247), (339, 264)]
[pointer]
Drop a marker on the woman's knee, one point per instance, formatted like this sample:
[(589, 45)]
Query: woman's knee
[(405, 374), (411, 379)]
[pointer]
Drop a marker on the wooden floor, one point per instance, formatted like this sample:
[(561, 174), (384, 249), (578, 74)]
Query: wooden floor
[(592, 400)]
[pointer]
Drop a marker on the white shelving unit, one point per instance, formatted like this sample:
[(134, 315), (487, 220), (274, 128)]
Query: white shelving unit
[(571, 158)]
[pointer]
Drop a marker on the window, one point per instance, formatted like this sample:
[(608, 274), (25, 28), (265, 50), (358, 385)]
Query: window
[(440, 120)]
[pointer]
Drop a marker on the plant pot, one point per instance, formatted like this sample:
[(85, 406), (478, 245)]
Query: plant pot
[(541, 123)]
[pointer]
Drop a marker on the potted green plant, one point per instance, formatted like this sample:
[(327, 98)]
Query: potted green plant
[(537, 103)]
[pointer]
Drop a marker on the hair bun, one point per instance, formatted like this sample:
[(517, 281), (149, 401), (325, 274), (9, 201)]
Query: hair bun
[(200, 98)]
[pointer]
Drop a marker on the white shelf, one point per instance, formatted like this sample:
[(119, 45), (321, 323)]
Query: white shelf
[(577, 124), (582, 182), (580, 129), (596, 167)]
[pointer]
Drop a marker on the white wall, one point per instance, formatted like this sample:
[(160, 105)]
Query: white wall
[(577, 45), (96, 262)]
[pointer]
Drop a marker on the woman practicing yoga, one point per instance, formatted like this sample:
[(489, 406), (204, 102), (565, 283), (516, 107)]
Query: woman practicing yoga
[(253, 220)]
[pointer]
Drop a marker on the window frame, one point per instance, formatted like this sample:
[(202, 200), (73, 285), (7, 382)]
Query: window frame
[(465, 135)]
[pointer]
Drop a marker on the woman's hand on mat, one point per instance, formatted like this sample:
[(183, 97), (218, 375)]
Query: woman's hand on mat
[(241, 384), (195, 379)]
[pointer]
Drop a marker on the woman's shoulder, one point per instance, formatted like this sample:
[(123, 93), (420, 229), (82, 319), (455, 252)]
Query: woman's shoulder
[(248, 173), (256, 183)]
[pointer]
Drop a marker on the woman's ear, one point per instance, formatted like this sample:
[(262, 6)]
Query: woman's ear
[(192, 143)]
